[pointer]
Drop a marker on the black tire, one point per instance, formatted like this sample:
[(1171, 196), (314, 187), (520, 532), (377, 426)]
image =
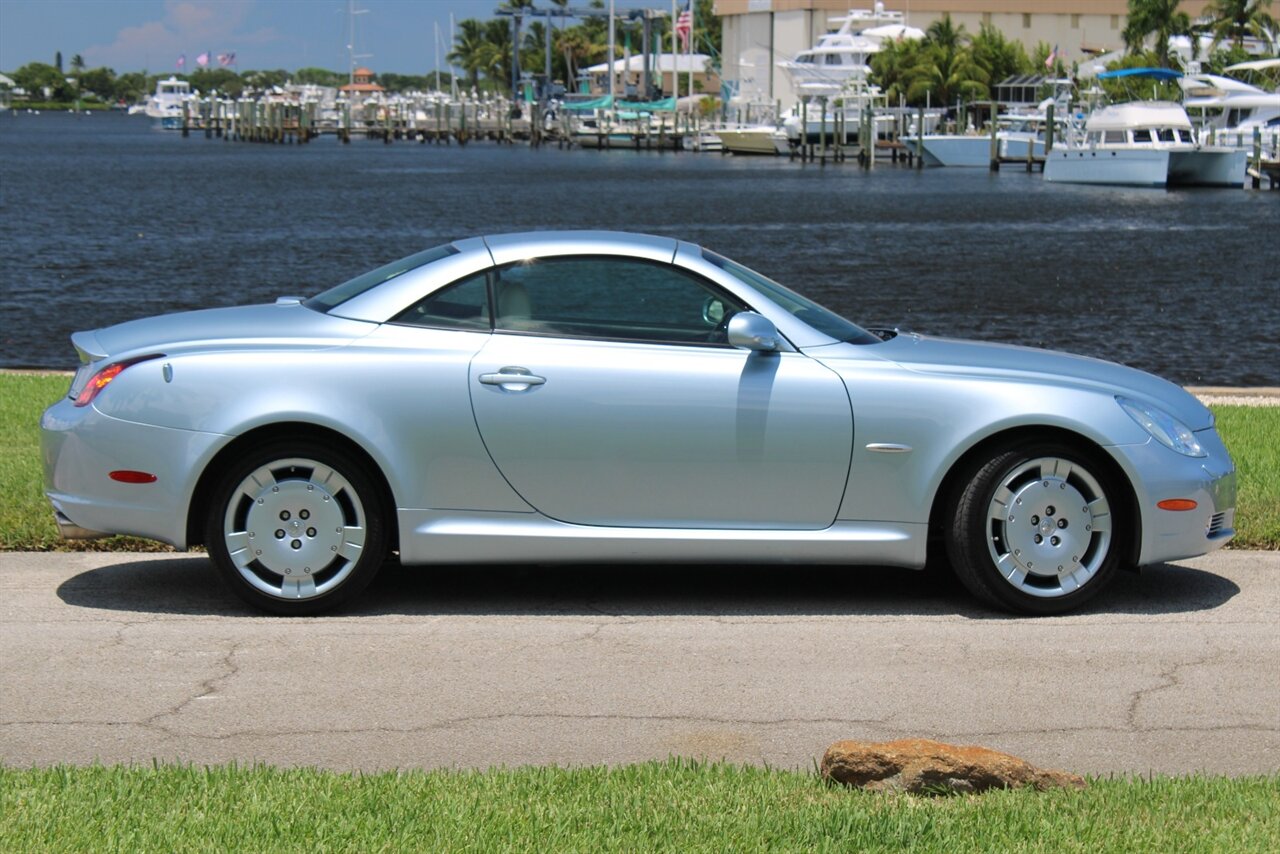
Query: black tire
[(1038, 528), (296, 528)]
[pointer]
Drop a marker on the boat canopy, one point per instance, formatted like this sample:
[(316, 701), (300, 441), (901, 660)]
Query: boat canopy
[(1158, 73), (1139, 114), (605, 102), (1255, 65)]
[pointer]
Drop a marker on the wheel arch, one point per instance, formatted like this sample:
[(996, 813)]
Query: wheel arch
[(972, 459), (201, 496)]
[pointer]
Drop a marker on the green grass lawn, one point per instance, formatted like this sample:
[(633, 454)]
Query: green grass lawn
[(26, 523), (677, 805)]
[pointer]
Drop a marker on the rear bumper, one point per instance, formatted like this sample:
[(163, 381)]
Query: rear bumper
[(69, 530), (81, 446)]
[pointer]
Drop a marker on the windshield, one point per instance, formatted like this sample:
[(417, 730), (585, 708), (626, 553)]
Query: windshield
[(821, 319), (339, 294)]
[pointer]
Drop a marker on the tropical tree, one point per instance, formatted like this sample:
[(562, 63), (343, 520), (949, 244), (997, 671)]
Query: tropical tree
[(1000, 57), (945, 34), (1160, 17), (223, 80), (42, 80), (891, 67), (947, 74), (468, 49), (580, 48), (1235, 19), (497, 53), (99, 81), (319, 77), (708, 33), (130, 86)]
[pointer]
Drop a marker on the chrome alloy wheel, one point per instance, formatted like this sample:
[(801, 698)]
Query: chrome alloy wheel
[(1049, 527), (294, 528)]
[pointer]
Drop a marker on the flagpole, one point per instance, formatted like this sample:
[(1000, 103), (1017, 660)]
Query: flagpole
[(693, 22), (453, 72), (612, 67), (675, 73)]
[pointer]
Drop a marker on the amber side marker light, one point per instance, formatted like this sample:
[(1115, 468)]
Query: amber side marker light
[(103, 378), (1177, 504), (126, 476)]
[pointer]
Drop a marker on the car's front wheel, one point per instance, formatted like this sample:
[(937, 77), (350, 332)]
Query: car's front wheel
[(1034, 529), (296, 528)]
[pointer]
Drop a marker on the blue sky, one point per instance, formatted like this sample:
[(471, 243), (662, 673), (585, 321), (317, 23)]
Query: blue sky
[(136, 35)]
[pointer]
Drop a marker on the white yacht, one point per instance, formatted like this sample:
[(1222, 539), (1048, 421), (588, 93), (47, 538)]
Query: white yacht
[(1144, 144), (1227, 110), (753, 139), (842, 58), (165, 106)]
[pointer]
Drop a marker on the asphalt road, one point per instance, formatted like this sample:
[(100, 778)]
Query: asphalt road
[(130, 658)]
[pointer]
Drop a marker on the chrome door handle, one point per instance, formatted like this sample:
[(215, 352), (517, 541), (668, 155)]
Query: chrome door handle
[(517, 379)]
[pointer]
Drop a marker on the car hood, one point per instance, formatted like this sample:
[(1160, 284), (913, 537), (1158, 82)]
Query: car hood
[(282, 324), (981, 359)]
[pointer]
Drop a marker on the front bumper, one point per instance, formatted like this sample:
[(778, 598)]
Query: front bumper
[(81, 446), (1158, 473)]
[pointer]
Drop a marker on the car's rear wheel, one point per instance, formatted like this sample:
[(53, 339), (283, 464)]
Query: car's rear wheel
[(296, 528), (1034, 529)]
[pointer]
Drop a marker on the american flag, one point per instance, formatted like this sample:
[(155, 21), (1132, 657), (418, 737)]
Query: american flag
[(684, 25), (225, 59), (203, 59)]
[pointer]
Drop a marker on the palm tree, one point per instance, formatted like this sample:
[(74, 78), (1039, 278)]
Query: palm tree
[(1233, 19), (1000, 57), (582, 46), (496, 56), (948, 74), (468, 50), (891, 66), (1155, 16), (944, 33)]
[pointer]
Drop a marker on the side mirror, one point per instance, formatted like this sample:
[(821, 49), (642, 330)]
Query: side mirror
[(750, 331)]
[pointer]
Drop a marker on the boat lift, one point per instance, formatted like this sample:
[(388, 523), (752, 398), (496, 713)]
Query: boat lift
[(517, 15)]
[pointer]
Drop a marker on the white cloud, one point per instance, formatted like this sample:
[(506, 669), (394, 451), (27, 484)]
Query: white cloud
[(188, 27)]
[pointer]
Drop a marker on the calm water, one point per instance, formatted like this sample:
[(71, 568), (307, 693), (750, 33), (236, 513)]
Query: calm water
[(105, 220)]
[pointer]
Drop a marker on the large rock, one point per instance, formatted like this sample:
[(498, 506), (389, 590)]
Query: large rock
[(922, 766)]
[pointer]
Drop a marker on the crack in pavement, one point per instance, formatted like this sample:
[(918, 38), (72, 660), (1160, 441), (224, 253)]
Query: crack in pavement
[(205, 688), (1170, 677)]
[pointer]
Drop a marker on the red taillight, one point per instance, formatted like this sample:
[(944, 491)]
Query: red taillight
[(127, 476), (103, 378)]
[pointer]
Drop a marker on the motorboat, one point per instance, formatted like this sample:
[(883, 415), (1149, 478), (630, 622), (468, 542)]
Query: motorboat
[(1144, 144), (1015, 133), (703, 140), (754, 139), (842, 58), (165, 105), (1227, 111)]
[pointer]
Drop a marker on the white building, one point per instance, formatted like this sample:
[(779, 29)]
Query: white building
[(757, 34), (630, 72)]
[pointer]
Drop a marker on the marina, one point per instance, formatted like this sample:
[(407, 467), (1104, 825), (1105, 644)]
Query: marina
[(108, 219)]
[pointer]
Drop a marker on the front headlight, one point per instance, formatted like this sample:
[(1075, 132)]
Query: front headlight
[(1166, 429)]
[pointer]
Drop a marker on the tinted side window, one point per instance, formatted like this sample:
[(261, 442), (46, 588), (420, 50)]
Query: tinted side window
[(462, 305), (613, 298), (335, 296)]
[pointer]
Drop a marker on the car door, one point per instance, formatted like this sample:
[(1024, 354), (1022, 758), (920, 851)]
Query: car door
[(607, 395)]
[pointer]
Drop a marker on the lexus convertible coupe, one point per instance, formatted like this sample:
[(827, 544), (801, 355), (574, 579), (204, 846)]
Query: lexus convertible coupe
[(602, 397)]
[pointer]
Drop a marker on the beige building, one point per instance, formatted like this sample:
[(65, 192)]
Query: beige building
[(760, 33)]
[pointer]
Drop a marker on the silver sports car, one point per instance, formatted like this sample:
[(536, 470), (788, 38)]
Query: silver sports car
[(595, 396)]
